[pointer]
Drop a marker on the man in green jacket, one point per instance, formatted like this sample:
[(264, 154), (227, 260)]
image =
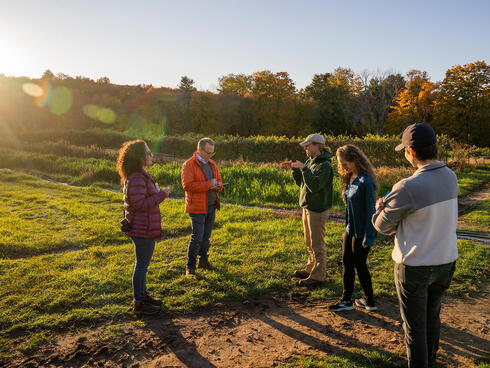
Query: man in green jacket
[(315, 179)]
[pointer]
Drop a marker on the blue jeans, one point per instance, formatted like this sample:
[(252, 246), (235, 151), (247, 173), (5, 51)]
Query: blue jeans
[(202, 225), (143, 249), (420, 291)]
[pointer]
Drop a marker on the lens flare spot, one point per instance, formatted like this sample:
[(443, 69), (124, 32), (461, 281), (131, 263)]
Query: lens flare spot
[(106, 115), (61, 101), (91, 111), (32, 89), (45, 98)]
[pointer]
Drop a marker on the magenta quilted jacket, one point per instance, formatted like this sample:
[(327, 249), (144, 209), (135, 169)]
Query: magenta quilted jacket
[(141, 206)]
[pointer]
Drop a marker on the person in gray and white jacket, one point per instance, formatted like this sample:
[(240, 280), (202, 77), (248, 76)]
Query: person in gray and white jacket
[(422, 212)]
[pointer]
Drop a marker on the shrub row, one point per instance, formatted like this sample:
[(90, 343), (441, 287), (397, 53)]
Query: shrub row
[(248, 185), (380, 149), (60, 148)]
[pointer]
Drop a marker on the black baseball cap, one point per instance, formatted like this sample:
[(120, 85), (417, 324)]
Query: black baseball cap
[(417, 135)]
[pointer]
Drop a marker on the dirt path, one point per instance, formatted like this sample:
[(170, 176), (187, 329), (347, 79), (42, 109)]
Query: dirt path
[(262, 334), (469, 202)]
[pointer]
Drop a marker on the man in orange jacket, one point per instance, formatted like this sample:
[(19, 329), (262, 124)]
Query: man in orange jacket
[(201, 181)]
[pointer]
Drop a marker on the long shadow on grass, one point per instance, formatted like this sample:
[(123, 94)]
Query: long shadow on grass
[(392, 359), (169, 334), (11, 252), (463, 343), (387, 308), (300, 336), (452, 339), (327, 331)]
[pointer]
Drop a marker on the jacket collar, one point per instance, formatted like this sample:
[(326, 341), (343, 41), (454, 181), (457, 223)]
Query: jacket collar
[(429, 167), (199, 157), (197, 161), (321, 158)]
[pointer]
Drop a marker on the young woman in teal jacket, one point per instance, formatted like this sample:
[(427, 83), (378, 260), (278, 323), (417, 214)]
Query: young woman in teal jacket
[(359, 187)]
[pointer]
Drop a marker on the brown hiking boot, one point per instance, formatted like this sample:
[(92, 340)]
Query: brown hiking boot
[(301, 274), (309, 282), (151, 300), (189, 272), (143, 307), (205, 265)]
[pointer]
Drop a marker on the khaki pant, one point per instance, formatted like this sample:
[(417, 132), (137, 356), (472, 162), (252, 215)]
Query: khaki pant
[(314, 228)]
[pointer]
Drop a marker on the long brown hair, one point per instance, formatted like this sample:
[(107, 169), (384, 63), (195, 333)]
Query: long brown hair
[(352, 153), (131, 158), (323, 148)]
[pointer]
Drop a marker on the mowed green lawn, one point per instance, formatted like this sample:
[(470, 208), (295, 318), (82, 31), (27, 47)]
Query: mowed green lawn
[(479, 218), (255, 250), (38, 216), (471, 179)]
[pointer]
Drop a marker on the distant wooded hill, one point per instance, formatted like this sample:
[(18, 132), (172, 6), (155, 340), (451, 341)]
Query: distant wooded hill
[(263, 103)]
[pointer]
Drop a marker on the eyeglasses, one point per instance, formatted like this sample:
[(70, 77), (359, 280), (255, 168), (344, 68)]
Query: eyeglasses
[(209, 153)]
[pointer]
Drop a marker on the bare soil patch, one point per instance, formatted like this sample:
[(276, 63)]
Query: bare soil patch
[(262, 334)]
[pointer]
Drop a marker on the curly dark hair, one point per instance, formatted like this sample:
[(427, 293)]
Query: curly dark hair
[(354, 154), (131, 158)]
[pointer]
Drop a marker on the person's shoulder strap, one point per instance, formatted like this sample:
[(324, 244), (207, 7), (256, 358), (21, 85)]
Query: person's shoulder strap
[(126, 193)]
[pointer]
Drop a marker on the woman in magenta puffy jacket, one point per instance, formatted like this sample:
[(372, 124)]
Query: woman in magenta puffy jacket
[(141, 209)]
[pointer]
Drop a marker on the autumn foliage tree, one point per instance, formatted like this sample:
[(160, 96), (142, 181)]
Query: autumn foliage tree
[(414, 103), (334, 98), (264, 102), (463, 104)]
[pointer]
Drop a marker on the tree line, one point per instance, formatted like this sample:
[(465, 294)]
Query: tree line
[(263, 103)]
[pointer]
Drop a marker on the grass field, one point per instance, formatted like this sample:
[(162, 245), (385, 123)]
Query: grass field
[(479, 218), (472, 178), (249, 184), (358, 358), (255, 251), (65, 265), (46, 217)]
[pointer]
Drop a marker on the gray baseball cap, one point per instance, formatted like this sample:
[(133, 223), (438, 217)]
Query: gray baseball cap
[(313, 138)]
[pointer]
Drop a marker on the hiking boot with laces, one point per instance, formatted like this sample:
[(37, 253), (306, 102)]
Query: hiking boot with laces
[(309, 282), (206, 265), (151, 300), (301, 274), (143, 307)]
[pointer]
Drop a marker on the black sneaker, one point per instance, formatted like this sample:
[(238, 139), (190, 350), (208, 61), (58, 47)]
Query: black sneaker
[(341, 305), (364, 303)]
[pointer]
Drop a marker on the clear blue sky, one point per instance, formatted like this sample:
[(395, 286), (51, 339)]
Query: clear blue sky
[(156, 42)]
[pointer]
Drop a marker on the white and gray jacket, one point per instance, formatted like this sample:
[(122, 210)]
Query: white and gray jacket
[(422, 211)]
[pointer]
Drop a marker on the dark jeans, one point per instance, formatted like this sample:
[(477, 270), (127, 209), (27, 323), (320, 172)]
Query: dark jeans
[(143, 249), (420, 291), (354, 257), (202, 225)]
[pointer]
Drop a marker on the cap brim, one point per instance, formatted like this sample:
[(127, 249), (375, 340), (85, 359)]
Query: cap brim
[(399, 147), (305, 143)]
